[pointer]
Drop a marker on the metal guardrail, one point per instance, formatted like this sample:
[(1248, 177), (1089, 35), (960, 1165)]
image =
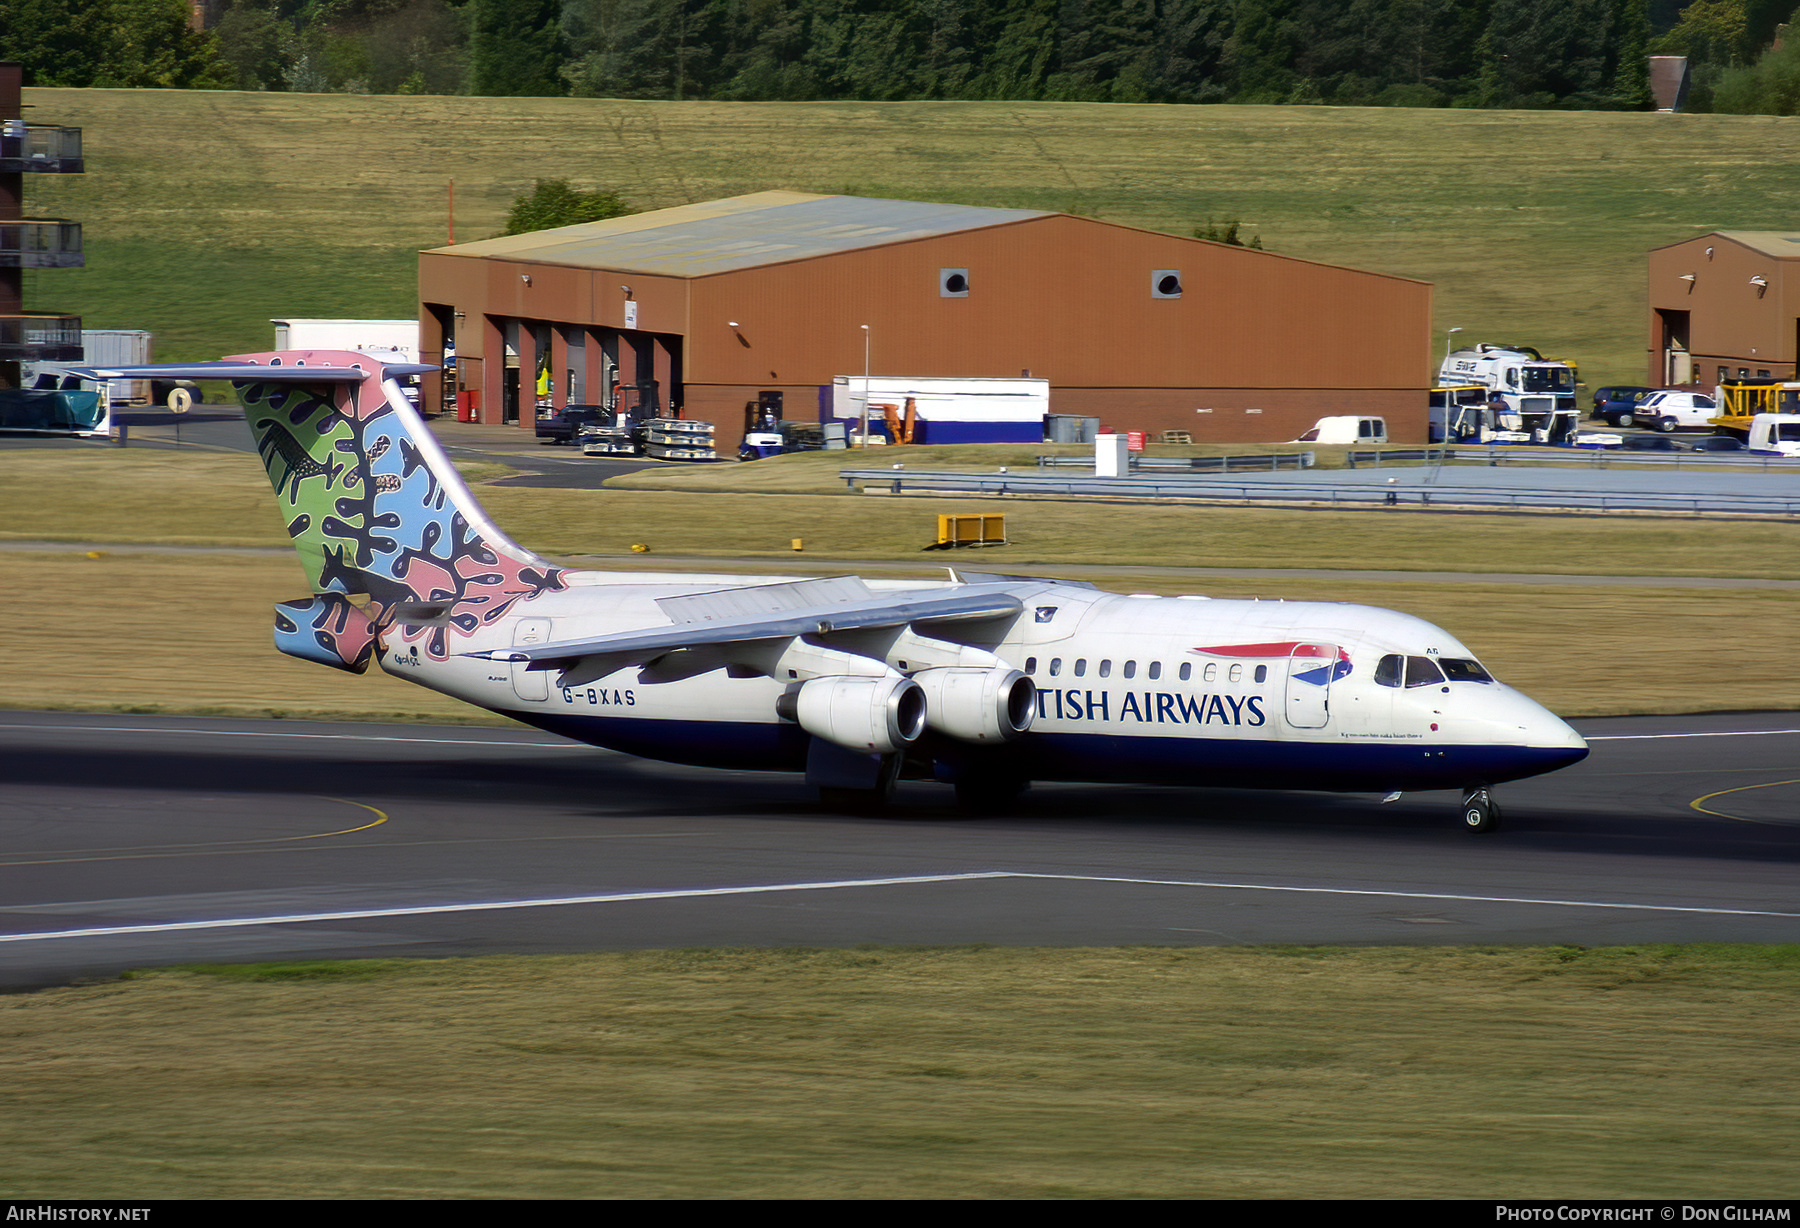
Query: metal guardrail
[(40, 147), (1192, 464), (40, 336), (1214, 490), (1589, 458)]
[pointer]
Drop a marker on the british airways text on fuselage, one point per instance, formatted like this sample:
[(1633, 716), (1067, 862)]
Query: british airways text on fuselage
[(1150, 707)]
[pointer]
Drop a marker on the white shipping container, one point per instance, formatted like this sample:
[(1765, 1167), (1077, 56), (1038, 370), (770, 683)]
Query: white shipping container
[(106, 347), (388, 340), (949, 410)]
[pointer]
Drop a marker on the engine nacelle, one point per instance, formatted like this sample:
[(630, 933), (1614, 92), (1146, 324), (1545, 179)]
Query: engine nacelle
[(978, 705), (874, 715)]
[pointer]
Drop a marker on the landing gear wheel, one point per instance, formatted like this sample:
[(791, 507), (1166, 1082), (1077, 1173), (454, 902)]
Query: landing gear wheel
[(1479, 812), (864, 801)]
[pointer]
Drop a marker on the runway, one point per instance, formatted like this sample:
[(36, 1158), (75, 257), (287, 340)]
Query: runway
[(132, 841)]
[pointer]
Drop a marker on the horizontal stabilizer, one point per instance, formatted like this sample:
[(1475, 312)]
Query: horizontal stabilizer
[(299, 373)]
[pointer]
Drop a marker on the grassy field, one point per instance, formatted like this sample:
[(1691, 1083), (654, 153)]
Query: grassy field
[(208, 213), (1221, 1072), (189, 631)]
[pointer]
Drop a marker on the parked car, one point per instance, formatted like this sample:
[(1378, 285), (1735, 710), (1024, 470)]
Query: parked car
[(1649, 443), (1617, 405), (1669, 411), (1717, 443), (561, 426)]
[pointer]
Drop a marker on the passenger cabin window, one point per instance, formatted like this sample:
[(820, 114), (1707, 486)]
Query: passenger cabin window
[(1055, 666), (1080, 667), (1131, 669), (1031, 665), (1208, 674), (1155, 670), (1187, 670), (1237, 673), (1262, 673), (1106, 669)]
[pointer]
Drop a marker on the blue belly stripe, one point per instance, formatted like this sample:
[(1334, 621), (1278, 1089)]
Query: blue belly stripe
[(1090, 758)]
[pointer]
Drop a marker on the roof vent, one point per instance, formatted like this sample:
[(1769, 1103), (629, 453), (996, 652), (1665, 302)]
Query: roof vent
[(953, 283), (1165, 283)]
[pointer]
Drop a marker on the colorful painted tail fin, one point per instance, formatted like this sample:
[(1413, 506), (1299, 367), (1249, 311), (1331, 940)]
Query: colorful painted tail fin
[(375, 509)]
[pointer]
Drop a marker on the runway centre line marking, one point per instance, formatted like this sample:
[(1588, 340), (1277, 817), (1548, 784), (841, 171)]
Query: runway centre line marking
[(167, 927), (145, 852), (323, 737), (1650, 737)]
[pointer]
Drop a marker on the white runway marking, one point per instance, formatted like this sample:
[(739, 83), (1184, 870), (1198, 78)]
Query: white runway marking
[(168, 927), (559, 744), (1651, 737)]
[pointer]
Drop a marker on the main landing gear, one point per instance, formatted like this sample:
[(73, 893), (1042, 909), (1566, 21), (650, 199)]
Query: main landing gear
[(1480, 813)]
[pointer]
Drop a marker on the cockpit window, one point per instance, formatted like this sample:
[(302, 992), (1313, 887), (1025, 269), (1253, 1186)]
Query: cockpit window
[(1388, 669), (1422, 671), (1459, 669)]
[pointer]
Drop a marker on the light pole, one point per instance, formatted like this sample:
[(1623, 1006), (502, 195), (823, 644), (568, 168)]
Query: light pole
[(865, 408), (1449, 339)]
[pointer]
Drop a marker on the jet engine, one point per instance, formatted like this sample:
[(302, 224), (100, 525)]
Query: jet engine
[(874, 715), (995, 704)]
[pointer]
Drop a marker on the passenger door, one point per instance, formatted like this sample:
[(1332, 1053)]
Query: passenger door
[(1309, 673)]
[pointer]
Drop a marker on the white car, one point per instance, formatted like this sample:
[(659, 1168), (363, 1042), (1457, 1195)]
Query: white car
[(1669, 411)]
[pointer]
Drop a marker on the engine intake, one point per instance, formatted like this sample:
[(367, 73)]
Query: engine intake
[(875, 715), (995, 704)]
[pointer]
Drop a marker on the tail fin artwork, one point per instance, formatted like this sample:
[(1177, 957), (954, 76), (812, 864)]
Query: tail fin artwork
[(376, 510)]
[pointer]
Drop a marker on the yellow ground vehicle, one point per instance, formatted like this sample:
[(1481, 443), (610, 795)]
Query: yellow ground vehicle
[(1741, 400)]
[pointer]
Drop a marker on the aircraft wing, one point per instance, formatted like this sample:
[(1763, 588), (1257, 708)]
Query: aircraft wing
[(965, 603)]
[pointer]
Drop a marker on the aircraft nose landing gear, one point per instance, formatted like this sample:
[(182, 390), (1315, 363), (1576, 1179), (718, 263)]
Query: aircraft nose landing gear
[(1479, 811)]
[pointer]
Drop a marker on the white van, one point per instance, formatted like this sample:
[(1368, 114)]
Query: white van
[(1668, 411), (1775, 434), (1346, 429)]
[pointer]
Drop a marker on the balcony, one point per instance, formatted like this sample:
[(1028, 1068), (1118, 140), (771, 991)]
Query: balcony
[(41, 243), (40, 148), (40, 338)]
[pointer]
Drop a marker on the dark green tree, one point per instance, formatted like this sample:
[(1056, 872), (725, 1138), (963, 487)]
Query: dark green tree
[(515, 48), (552, 203), (112, 44)]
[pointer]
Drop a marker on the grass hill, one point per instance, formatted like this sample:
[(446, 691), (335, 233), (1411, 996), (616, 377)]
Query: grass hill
[(206, 213)]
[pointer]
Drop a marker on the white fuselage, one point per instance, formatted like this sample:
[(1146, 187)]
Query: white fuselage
[(1179, 690)]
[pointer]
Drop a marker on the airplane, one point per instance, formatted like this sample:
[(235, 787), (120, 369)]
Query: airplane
[(983, 682)]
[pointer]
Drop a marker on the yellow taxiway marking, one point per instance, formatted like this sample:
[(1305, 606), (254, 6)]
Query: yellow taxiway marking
[(1769, 784), (128, 852)]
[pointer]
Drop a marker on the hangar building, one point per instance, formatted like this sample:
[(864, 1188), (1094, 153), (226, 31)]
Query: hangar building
[(724, 301), (1725, 306)]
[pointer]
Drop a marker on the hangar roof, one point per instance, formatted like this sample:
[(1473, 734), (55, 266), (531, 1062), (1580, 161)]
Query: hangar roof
[(740, 232), (1782, 244)]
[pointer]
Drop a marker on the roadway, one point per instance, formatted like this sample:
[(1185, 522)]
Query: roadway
[(133, 841)]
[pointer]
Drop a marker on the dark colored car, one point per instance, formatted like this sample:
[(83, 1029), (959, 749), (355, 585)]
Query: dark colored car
[(1717, 443), (1617, 406), (562, 425), (1649, 443)]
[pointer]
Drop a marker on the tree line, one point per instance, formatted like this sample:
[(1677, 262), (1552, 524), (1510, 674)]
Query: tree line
[(1577, 54)]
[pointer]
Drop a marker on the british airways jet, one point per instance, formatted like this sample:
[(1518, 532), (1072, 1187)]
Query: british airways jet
[(983, 682)]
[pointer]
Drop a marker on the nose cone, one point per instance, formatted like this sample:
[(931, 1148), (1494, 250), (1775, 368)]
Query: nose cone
[(1540, 740)]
